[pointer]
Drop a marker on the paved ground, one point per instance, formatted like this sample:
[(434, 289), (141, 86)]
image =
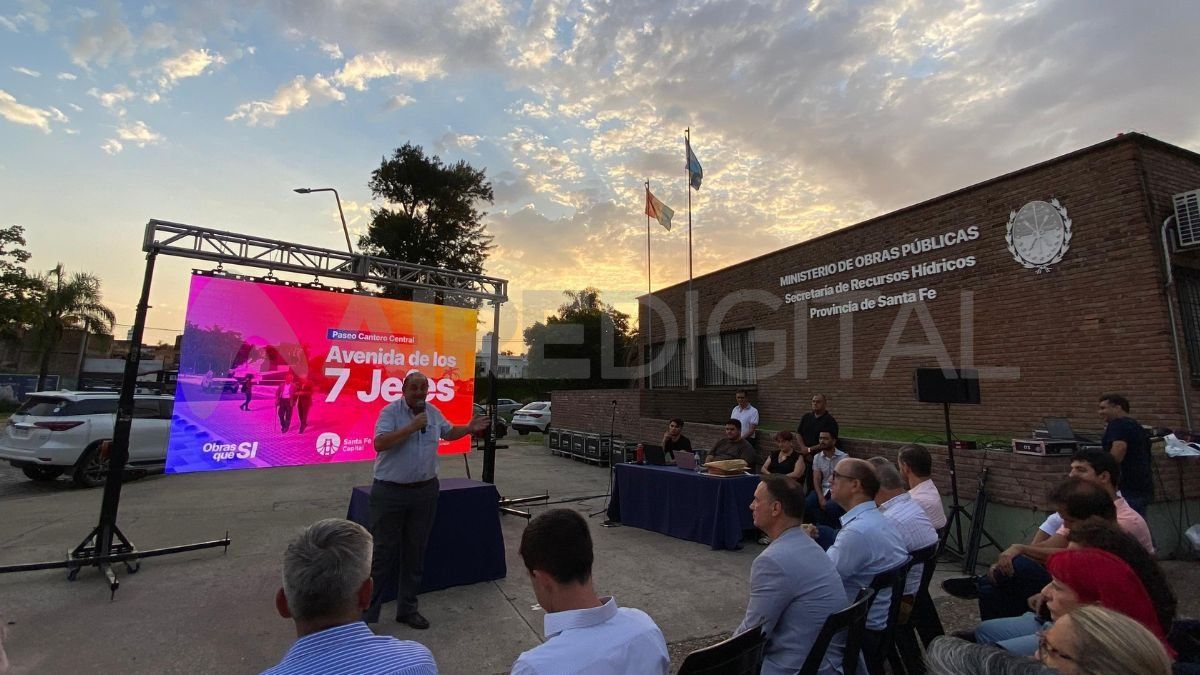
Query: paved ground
[(206, 611)]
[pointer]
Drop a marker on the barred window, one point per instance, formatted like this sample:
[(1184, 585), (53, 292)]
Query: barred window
[(1188, 281), (728, 359), (672, 373)]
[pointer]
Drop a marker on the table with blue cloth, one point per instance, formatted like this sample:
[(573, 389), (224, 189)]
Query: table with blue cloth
[(713, 510), (465, 546)]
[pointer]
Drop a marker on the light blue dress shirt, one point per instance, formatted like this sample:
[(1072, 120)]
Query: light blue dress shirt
[(352, 649), (415, 458), (597, 641), (794, 587), (866, 545)]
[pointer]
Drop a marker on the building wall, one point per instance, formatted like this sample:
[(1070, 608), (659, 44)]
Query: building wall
[(1046, 344)]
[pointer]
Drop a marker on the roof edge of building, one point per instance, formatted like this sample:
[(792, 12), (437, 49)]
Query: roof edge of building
[(1134, 137)]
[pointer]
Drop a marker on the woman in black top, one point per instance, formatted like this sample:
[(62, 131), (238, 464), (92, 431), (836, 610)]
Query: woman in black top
[(786, 460)]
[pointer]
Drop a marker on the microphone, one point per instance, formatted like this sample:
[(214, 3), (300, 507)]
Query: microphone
[(417, 410), (614, 401)]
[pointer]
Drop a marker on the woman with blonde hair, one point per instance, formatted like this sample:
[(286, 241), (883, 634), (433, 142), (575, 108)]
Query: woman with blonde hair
[(1097, 641)]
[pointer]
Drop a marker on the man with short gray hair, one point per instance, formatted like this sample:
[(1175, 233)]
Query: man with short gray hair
[(326, 586)]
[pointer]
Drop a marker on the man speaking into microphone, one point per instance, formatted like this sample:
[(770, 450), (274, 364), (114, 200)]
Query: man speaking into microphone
[(404, 495)]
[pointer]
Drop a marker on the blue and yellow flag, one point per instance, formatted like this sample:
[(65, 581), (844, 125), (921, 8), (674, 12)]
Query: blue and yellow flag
[(695, 171)]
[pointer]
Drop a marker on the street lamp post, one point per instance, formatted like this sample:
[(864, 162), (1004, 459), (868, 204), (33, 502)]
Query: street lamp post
[(345, 230)]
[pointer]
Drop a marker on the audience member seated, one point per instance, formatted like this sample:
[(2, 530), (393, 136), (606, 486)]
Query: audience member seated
[(866, 545), (1097, 533), (733, 446), (905, 514), (1078, 577), (952, 656), (819, 508), (916, 466), (794, 586), (584, 632), (326, 587), (674, 439), (1097, 641), (786, 459), (1019, 572)]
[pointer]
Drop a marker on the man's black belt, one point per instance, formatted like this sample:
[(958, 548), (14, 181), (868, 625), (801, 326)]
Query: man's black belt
[(418, 484)]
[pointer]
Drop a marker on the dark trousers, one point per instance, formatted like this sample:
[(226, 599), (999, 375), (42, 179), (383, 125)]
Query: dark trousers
[(1009, 596), (831, 515), (302, 406), (246, 404), (285, 413), (1137, 502), (922, 626), (401, 519), (872, 651)]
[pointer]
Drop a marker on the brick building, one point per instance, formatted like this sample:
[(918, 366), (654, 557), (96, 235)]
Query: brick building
[(1085, 313), (1049, 280)]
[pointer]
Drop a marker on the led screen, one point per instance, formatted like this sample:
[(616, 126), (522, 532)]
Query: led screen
[(274, 375)]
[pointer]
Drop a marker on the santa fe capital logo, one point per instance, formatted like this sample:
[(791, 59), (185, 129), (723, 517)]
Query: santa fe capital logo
[(328, 443)]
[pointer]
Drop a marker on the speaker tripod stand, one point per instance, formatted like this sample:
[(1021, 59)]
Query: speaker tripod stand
[(961, 548)]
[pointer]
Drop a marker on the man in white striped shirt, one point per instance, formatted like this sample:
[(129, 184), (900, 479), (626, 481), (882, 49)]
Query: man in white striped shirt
[(326, 586)]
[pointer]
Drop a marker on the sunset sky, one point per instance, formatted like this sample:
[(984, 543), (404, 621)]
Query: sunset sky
[(806, 117)]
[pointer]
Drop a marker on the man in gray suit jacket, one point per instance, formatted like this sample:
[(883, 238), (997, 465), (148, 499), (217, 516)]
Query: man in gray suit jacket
[(794, 586)]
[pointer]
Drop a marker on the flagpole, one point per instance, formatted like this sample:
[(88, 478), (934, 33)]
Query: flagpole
[(649, 295), (690, 314)]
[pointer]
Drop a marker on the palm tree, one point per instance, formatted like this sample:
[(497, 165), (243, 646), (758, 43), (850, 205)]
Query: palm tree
[(66, 301)]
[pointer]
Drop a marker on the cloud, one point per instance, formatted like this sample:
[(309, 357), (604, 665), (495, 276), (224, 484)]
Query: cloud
[(454, 141), (67, 76), (25, 71), (19, 113), (99, 40), (190, 63), (112, 146), (288, 98), (331, 49), (398, 101), (75, 107), (139, 134), (360, 70), (113, 99), (35, 13)]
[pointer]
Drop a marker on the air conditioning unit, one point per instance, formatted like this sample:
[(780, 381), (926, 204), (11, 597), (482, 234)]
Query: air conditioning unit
[(1187, 218)]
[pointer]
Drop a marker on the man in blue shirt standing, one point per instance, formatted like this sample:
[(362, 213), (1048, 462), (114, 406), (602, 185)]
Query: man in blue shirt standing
[(405, 493), (326, 585), (794, 586), (866, 545)]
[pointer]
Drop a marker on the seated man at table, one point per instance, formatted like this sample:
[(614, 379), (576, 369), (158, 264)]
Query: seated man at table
[(326, 586), (733, 446), (584, 632), (674, 439), (794, 586)]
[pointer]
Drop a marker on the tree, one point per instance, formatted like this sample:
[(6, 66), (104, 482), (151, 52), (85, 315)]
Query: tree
[(572, 344), (435, 222), (62, 302), (17, 286)]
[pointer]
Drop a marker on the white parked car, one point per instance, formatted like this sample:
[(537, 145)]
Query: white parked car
[(57, 432), (505, 406), (533, 417)]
